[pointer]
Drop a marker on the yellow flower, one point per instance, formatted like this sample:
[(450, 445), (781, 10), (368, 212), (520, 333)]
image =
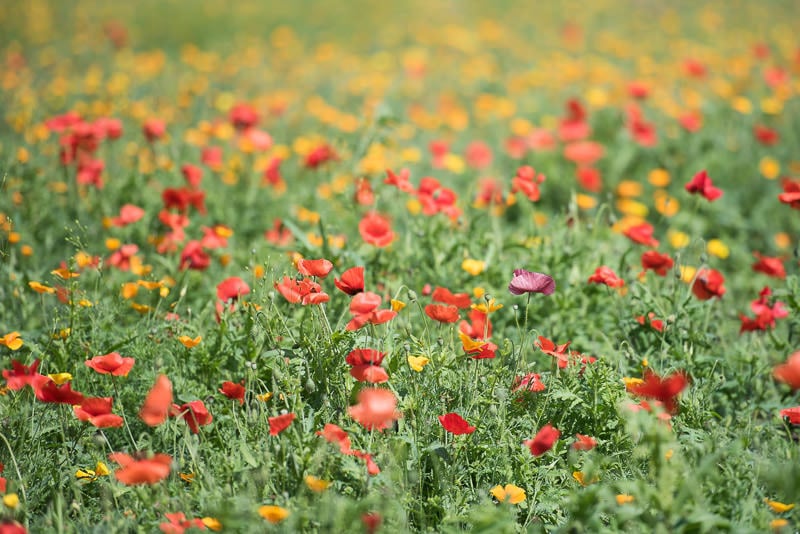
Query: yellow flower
[(487, 307), (418, 362), (397, 305), (623, 498), (742, 105), (187, 477), (469, 343), (778, 507), (687, 273), (89, 475), (65, 274), (264, 397), (585, 202), (580, 477), (60, 378), (141, 308), (778, 524), (478, 292), (84, 303), (511, 493), (769, 168), (273, 514), (212, 524), (782, 240), (63, 333), (473, 267), (718, 248), (11, 500), (658, 178), (414, 206), (665, 204), (129, 290), (669, 454), (102, 469), (11, 340), (41, 288), (630, 381), (112, 243), (316, 484), (188, 342), (632, 207), (629, 188)]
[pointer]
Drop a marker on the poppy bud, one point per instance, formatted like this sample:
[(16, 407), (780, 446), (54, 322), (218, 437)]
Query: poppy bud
[(310, 386), (703, 258), (412, 295)]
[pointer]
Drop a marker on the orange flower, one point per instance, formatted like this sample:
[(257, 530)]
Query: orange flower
[(158, 402), (376, 230), (111, 364), (141, 471), (376, 408)]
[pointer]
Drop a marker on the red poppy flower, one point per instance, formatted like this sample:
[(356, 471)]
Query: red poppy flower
[(364, 308), (701, 183), (479, 327), (194, 413), (97, 411), (478, 155), (278, 235), (791, 193), (156, 405), (192, 174), (128, 214), (141, 471), (544, 440), (272, 174), (789, 372), (352, 281), (765, 135), (584, 443), (792, 415), (400, 181), (376, 409), (643, 132), (638, 90), (642, 234), (691, 121), (304, 291), (589, 178), (574, 125), (486, 351), (21, 375), (708, 284), (194, 257), (655, 324), (665, 390), (437, 199), (459, 300), (372, 467), (770, 266), (364, 196), (371, 522), (334, 434), (111, 364), (280, 423), (584, 153), (178, 524), (604, 275), (243, 116), (232, 288), (154, 129), (444, 313), (233, 391), (559, 352), (319, 268), (655, 261), (211, 157), (366, 365), (376, 230), (527, 181), (455, 424), (181, 198), (530, 382), (320, 155), (49, 391), (762, 305)]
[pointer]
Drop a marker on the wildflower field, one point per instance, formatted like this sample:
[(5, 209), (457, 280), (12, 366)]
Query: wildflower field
[(386, 267)]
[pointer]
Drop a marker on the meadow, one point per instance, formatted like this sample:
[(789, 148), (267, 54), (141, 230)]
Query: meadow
[(429, 266)]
